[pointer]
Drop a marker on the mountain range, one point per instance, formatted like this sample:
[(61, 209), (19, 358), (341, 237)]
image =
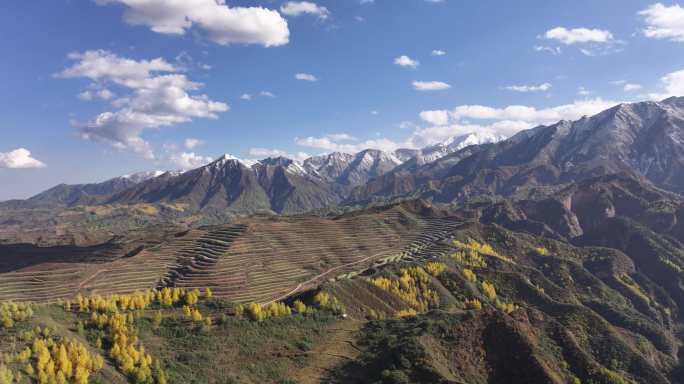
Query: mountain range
[(644, 140)]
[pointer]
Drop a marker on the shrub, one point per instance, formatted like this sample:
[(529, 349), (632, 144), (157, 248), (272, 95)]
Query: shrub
[(469, 275), (489, 290), (473, 304)]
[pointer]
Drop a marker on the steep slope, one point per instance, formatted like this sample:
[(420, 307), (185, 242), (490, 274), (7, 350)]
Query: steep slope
[(227, 184), (367, 165), (94, 193), (330, 166), (290, 188), (643, 139)]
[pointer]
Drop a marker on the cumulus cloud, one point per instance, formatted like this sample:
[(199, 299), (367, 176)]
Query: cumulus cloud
[(663, 22), (330, 145), (430, 86), (305, 77), (435, 117), (343, 142), (466, 119), (529, 88), (223, 24), (405, 61), (578, 35), (532, 115), (267, 152), (672, 84), (296, 8), (155, 100), (19, 158), (506, 121), (189, 160), (438, 52)]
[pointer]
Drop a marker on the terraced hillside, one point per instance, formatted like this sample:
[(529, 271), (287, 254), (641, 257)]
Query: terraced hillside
[(260, 259)]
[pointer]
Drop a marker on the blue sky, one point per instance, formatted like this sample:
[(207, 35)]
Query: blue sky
[(94, 89)]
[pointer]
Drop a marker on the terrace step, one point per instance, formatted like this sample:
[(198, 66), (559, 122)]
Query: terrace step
[(201, 256)]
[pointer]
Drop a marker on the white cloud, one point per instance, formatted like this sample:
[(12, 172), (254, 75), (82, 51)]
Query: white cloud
[(663, 22), (672, 85), (248, 96), (189, 160), (104, 94), (191, 143), (407, 125), (578, 35), (529, 88), (583, 91), (552, 50), (19, 158), (405, 61), (296, 8), (327, 144), (85, 95), (629, 87), (438, 52), (305, 77), (267, 152), (367, 1), (222, 23), (435, 117), (430, 86), (532, 115), (445, 124), (341, 137), (102, 64), (155, 100)]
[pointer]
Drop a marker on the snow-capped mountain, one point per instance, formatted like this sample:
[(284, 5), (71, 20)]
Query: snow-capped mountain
[(451, 145), (330, 166), (643, 140), (142, 176)]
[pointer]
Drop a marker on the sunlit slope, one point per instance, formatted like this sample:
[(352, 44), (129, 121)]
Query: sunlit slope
[(258, 259)]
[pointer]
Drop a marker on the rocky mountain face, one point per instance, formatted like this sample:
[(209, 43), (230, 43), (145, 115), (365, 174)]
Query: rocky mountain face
[(642, 139), (276, 184), (229, 184)]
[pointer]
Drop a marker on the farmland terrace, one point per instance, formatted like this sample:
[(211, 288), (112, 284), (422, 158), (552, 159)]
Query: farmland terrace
[(259, 259)]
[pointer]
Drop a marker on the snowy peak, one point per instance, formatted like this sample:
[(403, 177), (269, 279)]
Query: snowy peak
[(228, 160), (290, 166), (139, 177), (330, 166), (446, 147), (477, 138)]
